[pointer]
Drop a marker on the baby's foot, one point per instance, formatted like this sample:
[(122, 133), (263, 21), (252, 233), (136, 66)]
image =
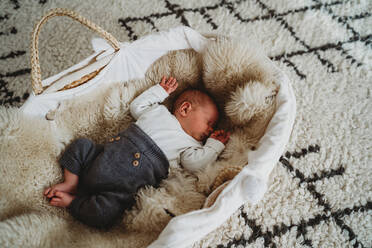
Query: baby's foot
[(61, 199), (64, 187)]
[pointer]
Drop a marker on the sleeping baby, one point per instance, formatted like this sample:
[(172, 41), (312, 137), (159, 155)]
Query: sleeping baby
[(101, 180)]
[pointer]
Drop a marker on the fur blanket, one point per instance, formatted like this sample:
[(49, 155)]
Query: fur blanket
[(320, 190), (234, 71)]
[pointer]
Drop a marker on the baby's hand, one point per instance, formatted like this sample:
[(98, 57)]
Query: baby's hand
[(221, 135), (170, 85)]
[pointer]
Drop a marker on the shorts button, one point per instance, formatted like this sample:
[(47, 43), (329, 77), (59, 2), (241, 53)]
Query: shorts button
[(137, 155), (135, 163)]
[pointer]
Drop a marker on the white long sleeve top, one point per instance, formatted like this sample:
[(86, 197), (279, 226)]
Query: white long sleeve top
[(166, 131)]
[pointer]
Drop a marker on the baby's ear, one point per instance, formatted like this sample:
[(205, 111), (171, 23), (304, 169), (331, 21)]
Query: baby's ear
[(185, 108)]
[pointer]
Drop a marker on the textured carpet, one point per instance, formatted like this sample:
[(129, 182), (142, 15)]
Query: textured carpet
[(321, 189)]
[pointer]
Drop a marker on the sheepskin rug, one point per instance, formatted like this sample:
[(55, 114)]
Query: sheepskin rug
[(319, 194)]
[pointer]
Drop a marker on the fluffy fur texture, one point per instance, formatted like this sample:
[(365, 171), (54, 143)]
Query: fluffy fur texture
[(104, 113), (251, 100), (319, 194), (228, 64)]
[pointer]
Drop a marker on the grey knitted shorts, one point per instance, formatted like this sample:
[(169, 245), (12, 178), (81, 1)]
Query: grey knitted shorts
[(111, 174)]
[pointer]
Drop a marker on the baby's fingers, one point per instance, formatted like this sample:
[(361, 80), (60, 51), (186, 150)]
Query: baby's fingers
[(172, 85), (225, 136), (217, 132), (171, 80), (163, 80), (175, 85)]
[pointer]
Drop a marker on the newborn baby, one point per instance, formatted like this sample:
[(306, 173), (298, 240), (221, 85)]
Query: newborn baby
[(101, 180)]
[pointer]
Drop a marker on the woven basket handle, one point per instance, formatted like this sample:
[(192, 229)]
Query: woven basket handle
[(35, 63)]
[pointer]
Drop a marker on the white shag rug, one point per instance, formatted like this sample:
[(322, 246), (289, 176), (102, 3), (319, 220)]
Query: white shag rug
[(320, 191)]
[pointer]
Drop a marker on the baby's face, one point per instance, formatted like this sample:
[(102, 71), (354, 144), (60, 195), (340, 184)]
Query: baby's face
[(201, 121)]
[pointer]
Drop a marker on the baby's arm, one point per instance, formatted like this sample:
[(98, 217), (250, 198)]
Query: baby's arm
[(197, 158), (152, 96)]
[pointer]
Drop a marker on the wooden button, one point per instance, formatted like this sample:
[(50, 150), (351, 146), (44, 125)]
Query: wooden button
[(137, 155), (117, 138), (135, 163)]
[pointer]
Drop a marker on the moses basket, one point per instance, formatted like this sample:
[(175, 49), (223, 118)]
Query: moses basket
[(92, 99)]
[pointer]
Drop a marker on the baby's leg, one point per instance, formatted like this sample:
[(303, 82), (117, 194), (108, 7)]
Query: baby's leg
[(77, 156), (100, 209), (68, 186)]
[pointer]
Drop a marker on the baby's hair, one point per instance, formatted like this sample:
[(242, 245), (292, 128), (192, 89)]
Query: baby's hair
[(195, 96)]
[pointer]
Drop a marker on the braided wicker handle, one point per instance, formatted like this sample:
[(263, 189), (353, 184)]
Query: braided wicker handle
[(35, 63)]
